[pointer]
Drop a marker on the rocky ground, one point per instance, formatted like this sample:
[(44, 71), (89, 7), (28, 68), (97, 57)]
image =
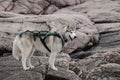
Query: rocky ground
[(96, 55)]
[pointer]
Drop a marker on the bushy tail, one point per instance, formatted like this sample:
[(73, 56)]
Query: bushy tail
[(16, 52)]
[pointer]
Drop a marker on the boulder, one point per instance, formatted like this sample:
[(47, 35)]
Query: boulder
[(62, 75), (86, 31), (98, 66), (108, 71), (36, 6), (62, 60), (104, 16), (26, 75), (12, 70), (109, 36), (63, 3), (106, 19), (109, 12)]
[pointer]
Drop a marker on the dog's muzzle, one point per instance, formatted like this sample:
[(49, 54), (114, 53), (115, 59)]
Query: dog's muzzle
[(75, 37)]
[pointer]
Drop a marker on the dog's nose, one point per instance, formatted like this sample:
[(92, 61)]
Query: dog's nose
[(75, 37)]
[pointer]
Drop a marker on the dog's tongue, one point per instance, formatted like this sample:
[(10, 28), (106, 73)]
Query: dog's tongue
[(74, 42)]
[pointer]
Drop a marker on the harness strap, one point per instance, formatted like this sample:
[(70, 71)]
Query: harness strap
[(47, 35), (43, 35), (20, 35), (43, 41), (64, 38)]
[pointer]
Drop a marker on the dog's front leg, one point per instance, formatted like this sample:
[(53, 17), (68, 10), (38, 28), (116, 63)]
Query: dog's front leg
[(52, 60)]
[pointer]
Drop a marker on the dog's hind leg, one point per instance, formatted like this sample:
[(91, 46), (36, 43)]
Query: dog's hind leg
[(52, 60), (29, 58), (25, 55)]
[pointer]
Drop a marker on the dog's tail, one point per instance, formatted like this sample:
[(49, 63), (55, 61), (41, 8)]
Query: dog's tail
[(16, 51)]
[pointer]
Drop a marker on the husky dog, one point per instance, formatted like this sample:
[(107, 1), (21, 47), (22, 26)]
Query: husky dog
[(27, 42)]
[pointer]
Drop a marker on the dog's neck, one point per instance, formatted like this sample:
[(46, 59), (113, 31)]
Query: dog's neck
[(64, 38)]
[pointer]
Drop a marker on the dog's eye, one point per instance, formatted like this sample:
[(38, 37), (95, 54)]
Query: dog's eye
[(69, 31)]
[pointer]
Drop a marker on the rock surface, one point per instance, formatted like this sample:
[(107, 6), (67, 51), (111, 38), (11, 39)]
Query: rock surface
[(99, 66), (36, 6), (91, 60), (86, 31), (12, 69)]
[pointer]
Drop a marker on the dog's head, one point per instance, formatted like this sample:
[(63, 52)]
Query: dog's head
[(69, 33)]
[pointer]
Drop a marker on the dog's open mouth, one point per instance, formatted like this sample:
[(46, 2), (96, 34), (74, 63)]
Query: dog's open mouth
[(74, 41)]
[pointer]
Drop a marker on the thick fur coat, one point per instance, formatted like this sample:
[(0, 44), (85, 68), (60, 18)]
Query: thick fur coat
[(24, 47)]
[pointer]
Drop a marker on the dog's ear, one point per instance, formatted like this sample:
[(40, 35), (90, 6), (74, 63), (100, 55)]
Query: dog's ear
[(75, 29), (65, 28)]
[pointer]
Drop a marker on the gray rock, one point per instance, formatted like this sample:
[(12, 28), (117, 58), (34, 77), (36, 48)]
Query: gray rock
[(26, 75), (25, 6), (98, 66), (109, 35), (93, 62), (62, 75), (86, 31), (12, 70), (97, 12), (37, 6), (62, 3), (109, 40), (62, 60), (108, 71)]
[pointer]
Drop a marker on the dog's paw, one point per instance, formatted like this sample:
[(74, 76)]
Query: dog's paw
[(32, 67), (54, 68), (26, 68)]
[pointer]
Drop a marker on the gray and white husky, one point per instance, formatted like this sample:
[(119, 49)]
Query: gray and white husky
[(26, 43)]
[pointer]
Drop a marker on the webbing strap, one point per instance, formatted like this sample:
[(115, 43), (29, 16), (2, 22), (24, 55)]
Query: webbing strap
[(47, 35), (43, 35), (20, 35), (43, 41)]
